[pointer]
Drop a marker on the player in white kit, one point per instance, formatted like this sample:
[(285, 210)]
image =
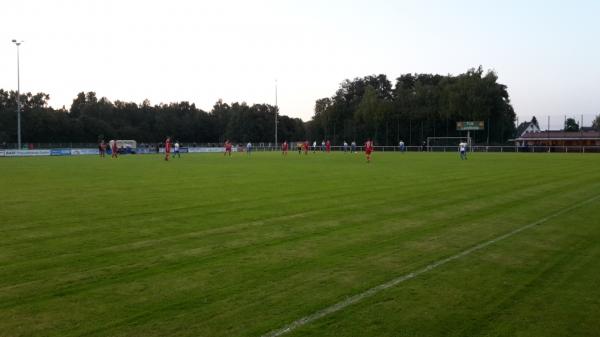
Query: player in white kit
[(463, 150)]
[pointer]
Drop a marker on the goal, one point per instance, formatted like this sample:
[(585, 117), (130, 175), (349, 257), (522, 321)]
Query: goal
[(447, 144)]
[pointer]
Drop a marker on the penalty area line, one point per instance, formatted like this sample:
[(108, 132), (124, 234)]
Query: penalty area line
[(379, 288)]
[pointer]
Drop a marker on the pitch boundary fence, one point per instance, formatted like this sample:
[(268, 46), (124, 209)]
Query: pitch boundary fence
[(79, 149)]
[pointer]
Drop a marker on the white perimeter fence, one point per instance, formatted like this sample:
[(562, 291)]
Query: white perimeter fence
[(66, 151)]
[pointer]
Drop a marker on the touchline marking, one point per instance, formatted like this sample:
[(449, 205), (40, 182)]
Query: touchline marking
[(370, 292)]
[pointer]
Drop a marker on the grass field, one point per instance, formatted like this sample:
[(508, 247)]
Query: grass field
[(215, 246)]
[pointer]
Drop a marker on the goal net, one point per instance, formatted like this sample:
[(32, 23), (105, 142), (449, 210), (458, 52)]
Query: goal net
[(447, 144)]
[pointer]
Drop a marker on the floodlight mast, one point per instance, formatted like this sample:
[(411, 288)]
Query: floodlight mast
[(18, 43), (276, 113)]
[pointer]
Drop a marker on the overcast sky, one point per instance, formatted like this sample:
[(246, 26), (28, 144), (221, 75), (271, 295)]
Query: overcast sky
[(546, 52)]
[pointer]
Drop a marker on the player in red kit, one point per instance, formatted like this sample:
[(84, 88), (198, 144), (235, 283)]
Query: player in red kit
[(115, 149), (167, 148), (102, 148), (227, 148), (328, 146), (368, 150), (284, 148), (305, 147)]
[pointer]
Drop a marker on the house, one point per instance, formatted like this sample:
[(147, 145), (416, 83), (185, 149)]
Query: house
[(559, 139), (526, 127)]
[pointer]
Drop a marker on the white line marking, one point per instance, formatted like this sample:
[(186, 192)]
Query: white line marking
[(377, 289)]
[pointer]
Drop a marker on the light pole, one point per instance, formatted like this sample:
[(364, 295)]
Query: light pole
[(18, 43), (276, 112)]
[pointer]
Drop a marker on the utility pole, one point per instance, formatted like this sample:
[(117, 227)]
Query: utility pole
[(18, 43), (548, 133)]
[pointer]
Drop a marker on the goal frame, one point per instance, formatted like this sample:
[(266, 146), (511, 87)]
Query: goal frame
[(467, 138)]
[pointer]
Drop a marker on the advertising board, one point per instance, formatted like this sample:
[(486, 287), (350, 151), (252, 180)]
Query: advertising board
[(470, 126), (26, 153), (82, 152), (60, 152)]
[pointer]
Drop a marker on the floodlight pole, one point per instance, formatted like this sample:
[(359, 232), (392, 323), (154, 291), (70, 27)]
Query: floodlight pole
[(18, 43), (276, 112)]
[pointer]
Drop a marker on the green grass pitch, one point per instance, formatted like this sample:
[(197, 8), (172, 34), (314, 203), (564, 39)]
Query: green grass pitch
[(212, 246)]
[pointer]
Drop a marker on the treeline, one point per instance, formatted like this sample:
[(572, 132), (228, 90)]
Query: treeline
[(90, 118), (416, 107)]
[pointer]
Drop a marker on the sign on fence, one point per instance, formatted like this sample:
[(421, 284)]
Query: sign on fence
[(145, 150), (208, 149), (81, 152), (26, 153), (470, 126), (60, 152)]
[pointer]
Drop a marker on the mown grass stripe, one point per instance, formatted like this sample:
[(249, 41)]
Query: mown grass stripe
[(394, 282)]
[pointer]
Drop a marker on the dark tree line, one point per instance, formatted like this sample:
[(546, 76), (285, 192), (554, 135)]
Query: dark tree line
[(416, 107), (90, 118)]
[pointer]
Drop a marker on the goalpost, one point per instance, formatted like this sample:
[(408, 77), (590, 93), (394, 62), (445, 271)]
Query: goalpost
[(447, 142)]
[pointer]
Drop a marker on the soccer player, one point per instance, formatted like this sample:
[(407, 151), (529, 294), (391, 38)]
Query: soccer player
[(323, 145), (314, 148), (227, 148), (102, 148), (167, 148), (176, 148), (114, 149), (328, 146), (306, 147), (284, 148), (345, 146), (401, 146), (462, 147), (248, 148), (368, 149), (353, 147)]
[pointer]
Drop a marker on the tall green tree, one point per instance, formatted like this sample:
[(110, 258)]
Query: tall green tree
[(534, 121), (571, 125), (596, 123), (418, 106)]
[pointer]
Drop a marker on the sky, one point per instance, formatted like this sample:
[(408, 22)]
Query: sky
[(546, 52)]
